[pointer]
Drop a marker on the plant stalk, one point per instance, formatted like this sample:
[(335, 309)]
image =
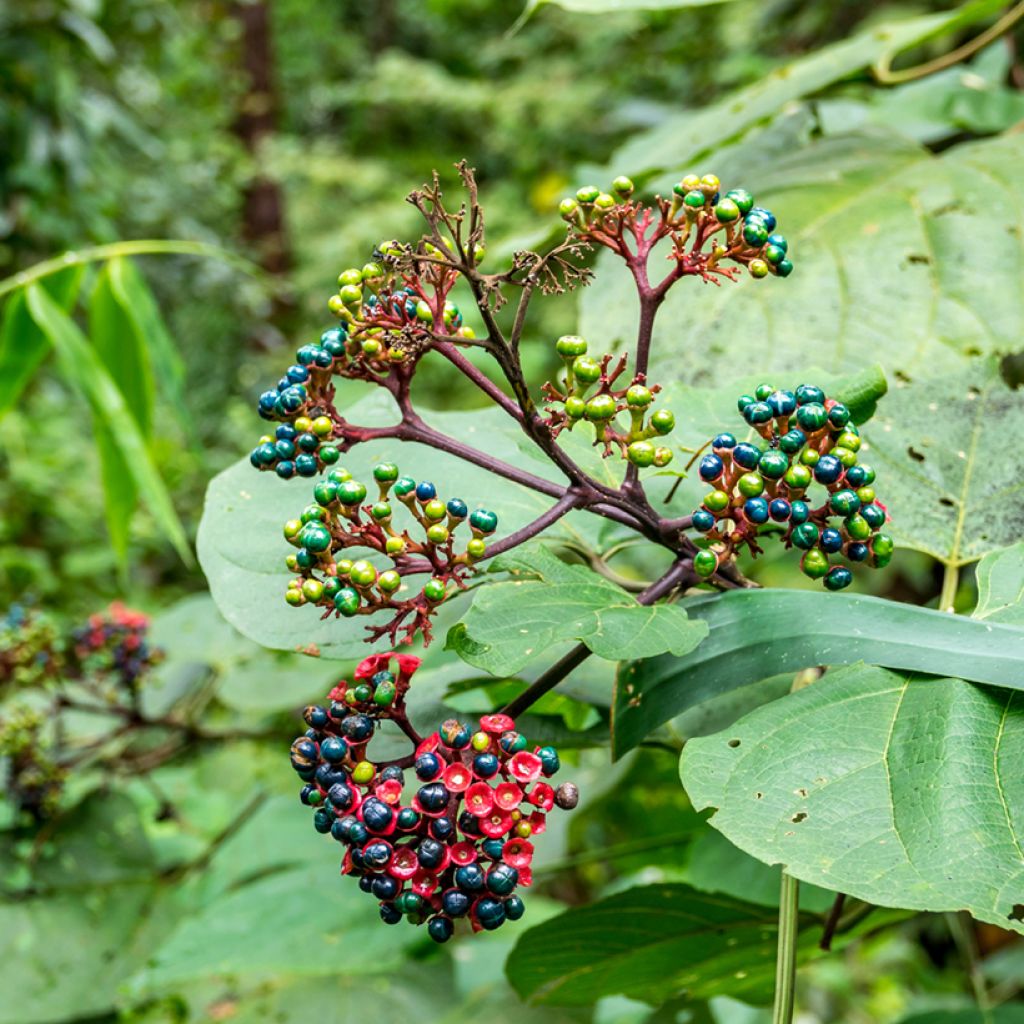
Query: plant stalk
[(785, 967)]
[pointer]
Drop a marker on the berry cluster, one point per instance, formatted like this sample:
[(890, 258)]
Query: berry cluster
[(810, 439), (35, 781), (697, 213), (572, 399), (113, 644), (339, 521), (31, 649), (460, 846)]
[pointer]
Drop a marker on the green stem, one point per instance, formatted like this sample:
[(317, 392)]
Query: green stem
[(785, 967), (139, 247), (950, 585), (967, 946)]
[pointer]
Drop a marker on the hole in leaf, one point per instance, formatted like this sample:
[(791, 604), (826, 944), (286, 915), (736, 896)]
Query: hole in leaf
[(734, 743), (759, 796), (918, 257), (1017, 913), (798, 817), (948, 502), (915, 454)]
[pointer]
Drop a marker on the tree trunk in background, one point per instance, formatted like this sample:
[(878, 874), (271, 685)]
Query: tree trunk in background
[(263, 224)]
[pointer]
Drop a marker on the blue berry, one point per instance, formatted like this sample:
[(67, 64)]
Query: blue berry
[(457, 508), (723, 441), (828, 469), (490, 913), (433, 796), (792, 441), (756, 510), (455, 903), (783, 403), (514, 908), (470, 877), (746, 455), (389, 914), (780, 510), (758, 412), (430, 853), (800, 512), (831, 541), (486, 765), (334, 749), (428, 767), (711, 467), (703, 520), (838, 577), (425, 491), (440, 928), (377, 815), (857, 552)]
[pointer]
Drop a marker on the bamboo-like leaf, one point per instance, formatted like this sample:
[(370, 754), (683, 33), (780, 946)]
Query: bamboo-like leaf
[(84, 370), (23, 346)]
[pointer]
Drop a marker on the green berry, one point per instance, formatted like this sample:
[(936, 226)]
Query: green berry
[(325, 492), (385, 472), (785, 268), (750, 485), (844, 502), (623, 185), (568, 207), (292, 529), (641, 453), (329, 454), (601, 408), (312, 590), (756, 234), (294, 597), (389, 581), (726, 211), (363, 574), (476, 548), (434, 590), (339, 475), (437, 534), (351, 294), (773, 465), (315, 538), (352, 492), (662, 456), (605, 202), (363, 773), (814, 563), (571, 345), (586, 370), (798, 477), (742, 198), (857, 527), (847, 439), (694, 200), (394, 545), (663, 422), (575, 408), (805, 536), (705, 563), (639, 397), (384, 696), (758, 268), (811, 416), (381, 511), (435, 510), (587, 194), (716, 501), (331, 587), (404, 485), (350, 276), (322, 426)]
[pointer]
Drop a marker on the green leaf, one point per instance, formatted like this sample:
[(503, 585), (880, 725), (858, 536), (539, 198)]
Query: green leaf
[(1000, 576), (83, 369), (549, 602), (140, 308), (23, 346), (65, 957), (758, 633), (934, 241), (1008, 1013), (899, 790), (686, 137), (945, 471), (649, 943), (242, 551)]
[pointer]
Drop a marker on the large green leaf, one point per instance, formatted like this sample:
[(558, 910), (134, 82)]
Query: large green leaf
[(547, 602), (242, 551), (758, 633), (903, 791), (900, 255), (1008, 1013), (82, 367), (1000, 576), (23, 346), (651, 943), (946, 473)]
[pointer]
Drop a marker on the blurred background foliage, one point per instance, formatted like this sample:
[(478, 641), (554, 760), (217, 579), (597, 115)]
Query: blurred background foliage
[(287, 134)]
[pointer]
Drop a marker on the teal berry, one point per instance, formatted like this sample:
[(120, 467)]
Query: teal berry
[(845, 502), (325, 492), (385, 472), (839, 415), (811, 416), (805, 536), (483, 520), (874, 516), (773, 254), (792, 441), (838, 578), (784, 269), (773, 465), (779, 241), (763, 392), (755, 234), (315, 538), (807, 393), (404, 485)]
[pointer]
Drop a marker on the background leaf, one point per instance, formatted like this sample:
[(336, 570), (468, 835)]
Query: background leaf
[(547, 601), (84, 370), (898, 790), (1000, 576), (758, 633)]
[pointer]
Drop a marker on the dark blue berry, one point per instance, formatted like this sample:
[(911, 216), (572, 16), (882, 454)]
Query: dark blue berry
[(307, 354), (341, 796), (315, 716), (385, 887), (393, 772), (711, 467), (703, 520), (334, 749), (455, 903), (857, 552), (828, 469), (458, 509), (469, 825), (502, 879), (486, 765), (407, 819), (377, 815), (306, 465), (284, 449), (800, 512), (285, 470), (267, 401), (490, 913), (783, 403), (492, 848), (442, 829), (723, 441), (780, 510), (376, 854), (433, 796), (430, 853), (390, 914), (756, 510), (514, 908), (322, 820), (874, 515), (746, 455), (470, 877), (366, 883), (358, 727), (440, 928), (766, 217), (296, 375), (831, 541), (329, 776), (428, 767), (308, 442), (425, 491)]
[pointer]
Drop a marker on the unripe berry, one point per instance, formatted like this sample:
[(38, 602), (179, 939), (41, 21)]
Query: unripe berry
[(586, 370), (641, 454), (575, 407), (567, 208), (601, 408), (350, 276), (623, 185), (312, 590), (705, 563), (662, 456), (663, 421), (385, 472), (434, 590), (587, 194), (571, 345), (435, 510), (347, 601), (476, 548), (726, 211), (389, 581), (758, 268), (437, 534), (604, 202), (351, 294), (394, 545), (363, 574), (639, 397)]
